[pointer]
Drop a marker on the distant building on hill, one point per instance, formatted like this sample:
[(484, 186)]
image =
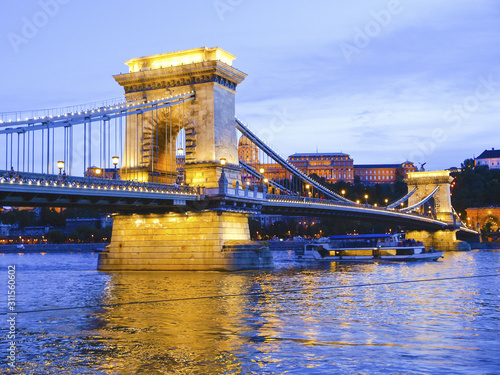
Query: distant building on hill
[(489, 158), (4, 229), (382, 173), (332, 166)]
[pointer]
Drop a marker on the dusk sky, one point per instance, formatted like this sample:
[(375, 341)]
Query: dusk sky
[(384, 81)]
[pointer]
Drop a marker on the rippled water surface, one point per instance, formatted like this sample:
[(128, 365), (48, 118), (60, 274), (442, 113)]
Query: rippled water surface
[(296, 319)]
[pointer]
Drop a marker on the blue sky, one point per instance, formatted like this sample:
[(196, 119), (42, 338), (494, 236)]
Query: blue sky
[(384, 81)]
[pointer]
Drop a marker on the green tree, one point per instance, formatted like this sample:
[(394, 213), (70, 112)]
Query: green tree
[(56, 236), (50, 217), (24, 218), (475, 187), (85, 233), (468, 164)]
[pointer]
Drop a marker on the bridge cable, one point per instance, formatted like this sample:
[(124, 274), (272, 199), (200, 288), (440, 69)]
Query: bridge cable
[(295, 171), (53, 150), (252, 294), (43, 151), (401, 200), (121, 142), (422, 202)]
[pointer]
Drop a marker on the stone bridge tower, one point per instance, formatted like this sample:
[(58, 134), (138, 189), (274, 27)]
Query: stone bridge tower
[(426, 182), (190, 240), (208, 120)]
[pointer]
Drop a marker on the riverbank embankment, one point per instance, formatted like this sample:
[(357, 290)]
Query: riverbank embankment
[(485, 246), (54, 248)]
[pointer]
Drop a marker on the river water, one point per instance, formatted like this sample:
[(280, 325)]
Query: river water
[(373, 318)]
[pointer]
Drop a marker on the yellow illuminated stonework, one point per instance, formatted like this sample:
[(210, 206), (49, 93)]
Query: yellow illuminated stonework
[(208, 120), (426, 182), (217, 241), (190, 56), (190, 240)]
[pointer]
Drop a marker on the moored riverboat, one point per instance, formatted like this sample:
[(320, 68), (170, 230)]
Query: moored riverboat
[(366, 248)]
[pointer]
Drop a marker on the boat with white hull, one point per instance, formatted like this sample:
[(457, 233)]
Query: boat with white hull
[(366, 248)]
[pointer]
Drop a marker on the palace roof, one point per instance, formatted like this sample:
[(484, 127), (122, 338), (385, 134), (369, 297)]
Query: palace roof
[(374, 166), (488, 154), (315, 154)]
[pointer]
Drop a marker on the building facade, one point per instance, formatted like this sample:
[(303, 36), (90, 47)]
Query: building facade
[(4, 229), (383, 173), (477, 217), (489, 158), (332, 167), (248, 151)]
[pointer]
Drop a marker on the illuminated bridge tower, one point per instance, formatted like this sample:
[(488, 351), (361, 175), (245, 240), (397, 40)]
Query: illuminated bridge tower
[(426, 182), (192, 239), (208, 120)]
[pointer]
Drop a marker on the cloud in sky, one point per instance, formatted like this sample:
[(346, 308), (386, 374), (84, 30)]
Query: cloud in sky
[(409, 91)]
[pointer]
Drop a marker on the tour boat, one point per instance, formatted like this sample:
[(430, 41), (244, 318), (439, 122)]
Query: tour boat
[(366, 248)]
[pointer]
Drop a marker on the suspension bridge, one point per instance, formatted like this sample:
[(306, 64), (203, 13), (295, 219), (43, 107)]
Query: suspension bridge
[(165, 159)]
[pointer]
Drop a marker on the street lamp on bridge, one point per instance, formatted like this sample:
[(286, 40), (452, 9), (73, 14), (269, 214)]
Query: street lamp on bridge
[(307, 188), (366, 198), (222, 180), (60, 165), (222, 162), (262, 178), (115, 162)]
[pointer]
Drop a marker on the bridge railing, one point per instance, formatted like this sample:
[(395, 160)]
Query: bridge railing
[(40, 179), (236, 191), (300, 199), (54, 112), (330, 202)]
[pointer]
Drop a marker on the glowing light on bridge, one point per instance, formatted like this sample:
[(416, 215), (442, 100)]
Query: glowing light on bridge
[(165, 60)]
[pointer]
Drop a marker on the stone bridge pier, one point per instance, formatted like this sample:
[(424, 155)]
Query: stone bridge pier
[(426, 182), (202, 240)]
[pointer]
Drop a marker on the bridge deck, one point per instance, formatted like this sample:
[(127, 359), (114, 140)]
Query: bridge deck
[(32, 189)]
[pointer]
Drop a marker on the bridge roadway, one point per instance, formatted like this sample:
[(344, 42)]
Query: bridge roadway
[(301, 206), (36, 189), (235, 199)]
